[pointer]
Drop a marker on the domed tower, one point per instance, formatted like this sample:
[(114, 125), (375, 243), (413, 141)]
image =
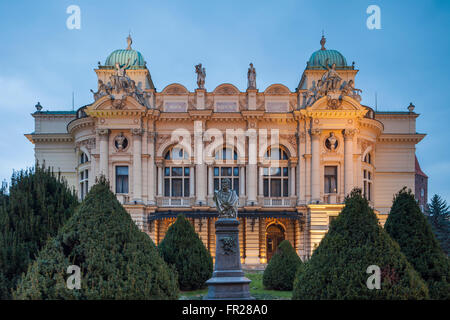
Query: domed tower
[(319, 63), (133, 61)]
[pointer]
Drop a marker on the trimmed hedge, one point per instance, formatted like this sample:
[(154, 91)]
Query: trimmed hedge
[(116, 259), (280, 272), (183, 248), (355, 241), (408, 226)]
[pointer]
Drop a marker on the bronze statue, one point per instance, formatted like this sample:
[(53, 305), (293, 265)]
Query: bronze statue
[(226, 200)]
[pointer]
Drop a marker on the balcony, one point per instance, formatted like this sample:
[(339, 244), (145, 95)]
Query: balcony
[(175, 202), (278, 202)]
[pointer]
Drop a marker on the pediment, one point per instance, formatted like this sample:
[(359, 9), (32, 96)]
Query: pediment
[(175, 89), (226, 89), (277, 89), (345, 107), (115, 105)]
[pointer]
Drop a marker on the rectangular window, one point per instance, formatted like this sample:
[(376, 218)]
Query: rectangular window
[(121, 179), (330, 179)]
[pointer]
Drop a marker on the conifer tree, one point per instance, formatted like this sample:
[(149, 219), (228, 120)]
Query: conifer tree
[(408, 226), (38, 203), (439, 217), (116, 259), (355, 241), (183, 248), (280, 272)]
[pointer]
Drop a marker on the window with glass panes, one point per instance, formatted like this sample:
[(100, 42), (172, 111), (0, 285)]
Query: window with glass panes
[(367, 184), (330, 179), (84, 183), (227, 168), (276, 179), (231, 173), (176, 177), (122, 179), (176, 181)]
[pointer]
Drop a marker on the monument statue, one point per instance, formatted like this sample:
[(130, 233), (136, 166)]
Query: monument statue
[(228, 280), (226, 200), (251, 77), (201, 75)]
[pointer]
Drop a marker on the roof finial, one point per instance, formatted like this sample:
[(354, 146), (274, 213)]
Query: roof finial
[(322, 42), (129, 41)]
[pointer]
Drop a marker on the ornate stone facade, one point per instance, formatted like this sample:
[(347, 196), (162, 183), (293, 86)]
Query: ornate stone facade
[(291, 156)]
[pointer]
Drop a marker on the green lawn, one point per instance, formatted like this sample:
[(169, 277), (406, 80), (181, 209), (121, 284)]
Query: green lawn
[(256, 290)]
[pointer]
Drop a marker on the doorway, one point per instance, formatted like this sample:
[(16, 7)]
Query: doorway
[(274, 236)]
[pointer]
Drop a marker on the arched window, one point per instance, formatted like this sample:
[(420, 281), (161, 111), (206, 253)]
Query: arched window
[(226, 167), (368, 158), (83, 158), (276, 179), (176, 175)]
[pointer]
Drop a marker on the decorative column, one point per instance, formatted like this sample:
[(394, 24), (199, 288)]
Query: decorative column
[(137, 164), (261, 182), (252, 180), (200, 166), (348, 160), (242, 180), (210, 181), (292, 180), (160, 180), (301, 169), (191, 181), (151, 168), (104, 153), (315, 166)]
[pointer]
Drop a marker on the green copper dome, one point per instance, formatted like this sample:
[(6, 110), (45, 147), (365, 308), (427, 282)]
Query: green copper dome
[(319, 58), (125, 56)]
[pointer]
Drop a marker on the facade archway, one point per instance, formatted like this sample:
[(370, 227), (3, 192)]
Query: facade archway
[(275, 233)]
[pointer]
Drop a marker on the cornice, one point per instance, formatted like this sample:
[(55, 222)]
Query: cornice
[(49, 137), (398, 137)]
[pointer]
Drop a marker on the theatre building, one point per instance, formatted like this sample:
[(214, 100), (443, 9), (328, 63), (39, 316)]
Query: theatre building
[(291, 155)]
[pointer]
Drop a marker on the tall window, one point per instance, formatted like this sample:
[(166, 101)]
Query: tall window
[(84, 183), (121, 179), (276, 179), (176, 181), (226, 159), (176, 176), (330, 179), (367, 184)]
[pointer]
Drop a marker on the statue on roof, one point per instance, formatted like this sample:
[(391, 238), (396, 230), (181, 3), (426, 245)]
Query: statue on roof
[(129, 42), (251, 77), (102, 90), (331, 79), (348, 89), (201, 75)]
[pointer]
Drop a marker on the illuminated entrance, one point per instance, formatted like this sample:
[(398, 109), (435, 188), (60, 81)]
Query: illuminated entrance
[(274, 236)]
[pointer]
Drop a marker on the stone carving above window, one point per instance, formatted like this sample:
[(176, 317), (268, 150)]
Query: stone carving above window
[(120, 142), (331, 143)]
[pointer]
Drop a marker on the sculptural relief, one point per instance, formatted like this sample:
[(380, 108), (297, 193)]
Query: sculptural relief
[(120, 142), (331, 142)]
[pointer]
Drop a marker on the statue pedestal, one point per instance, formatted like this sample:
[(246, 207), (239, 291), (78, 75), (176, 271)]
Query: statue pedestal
[(228, 281)]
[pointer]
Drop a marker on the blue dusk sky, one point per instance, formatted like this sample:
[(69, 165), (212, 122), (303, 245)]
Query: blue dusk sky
[(407, 60)]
